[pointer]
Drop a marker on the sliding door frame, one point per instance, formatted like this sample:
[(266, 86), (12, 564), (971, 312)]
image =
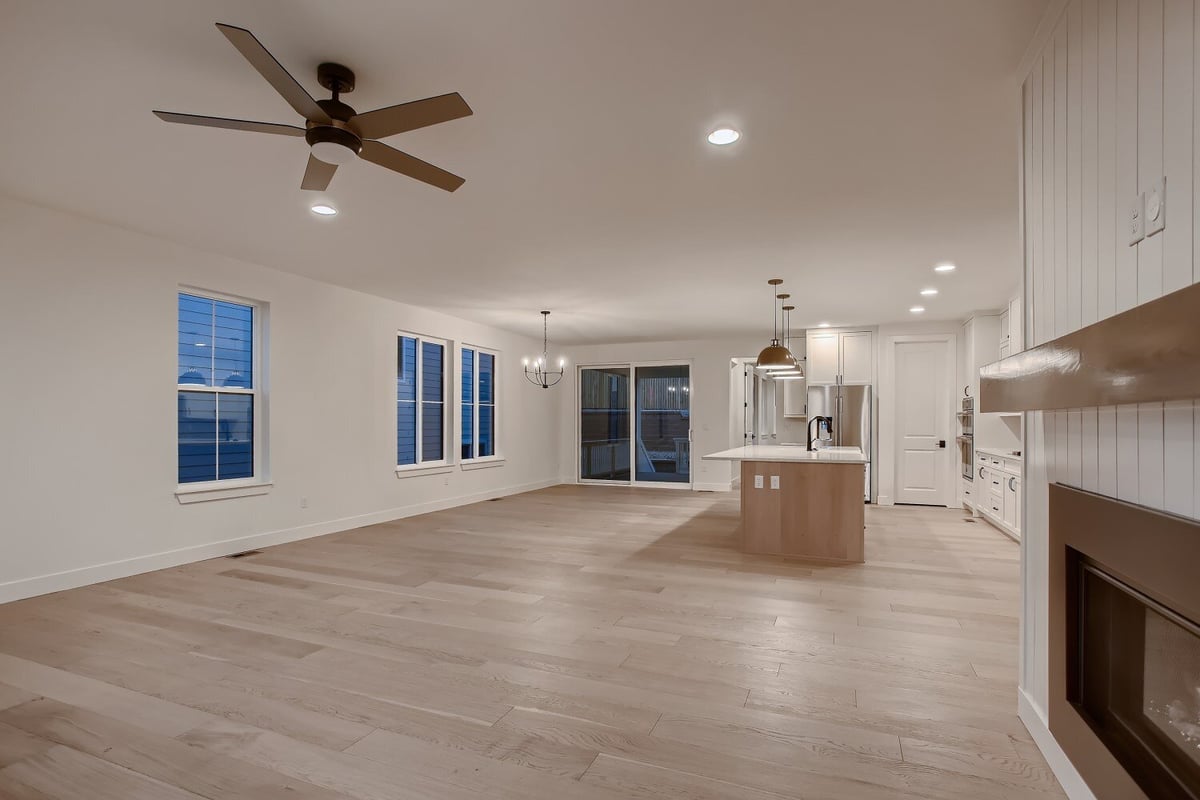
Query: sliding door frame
[(633, 366)]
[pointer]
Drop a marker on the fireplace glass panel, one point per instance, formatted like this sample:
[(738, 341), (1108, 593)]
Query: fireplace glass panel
[(1171, 696), (1135, 678)]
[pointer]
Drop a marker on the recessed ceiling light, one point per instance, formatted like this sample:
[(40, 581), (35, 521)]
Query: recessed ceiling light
[(723, 136), (929, 292), (822, 324), (324, 210), (944, 268), (917, 309)]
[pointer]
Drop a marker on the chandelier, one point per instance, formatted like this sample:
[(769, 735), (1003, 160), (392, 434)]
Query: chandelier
[(539, 373)]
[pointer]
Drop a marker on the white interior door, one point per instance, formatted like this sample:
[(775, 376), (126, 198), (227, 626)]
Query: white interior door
[(923, 422)]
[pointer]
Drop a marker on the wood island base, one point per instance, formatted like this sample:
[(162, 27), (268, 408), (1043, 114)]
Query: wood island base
[(816, 513)]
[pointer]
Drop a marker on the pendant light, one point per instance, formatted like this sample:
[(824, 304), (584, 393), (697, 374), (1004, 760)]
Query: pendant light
[(540, 374), (791, 374), (775, 356)]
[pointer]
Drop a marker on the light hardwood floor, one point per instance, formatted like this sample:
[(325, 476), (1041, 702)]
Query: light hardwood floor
[(576, 642)]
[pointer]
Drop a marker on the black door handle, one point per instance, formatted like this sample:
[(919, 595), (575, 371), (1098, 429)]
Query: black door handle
[(942, 443)]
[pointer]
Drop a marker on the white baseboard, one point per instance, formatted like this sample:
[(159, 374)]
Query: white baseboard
[(1060, 765), (713, 487), (884, 500), (98, 573)]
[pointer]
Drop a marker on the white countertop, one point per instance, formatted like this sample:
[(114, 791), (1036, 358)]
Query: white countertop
[(798, 453), (993, 451)]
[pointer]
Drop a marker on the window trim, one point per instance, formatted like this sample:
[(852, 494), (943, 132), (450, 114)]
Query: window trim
[(497, 457), (446, 462), (260, 482)]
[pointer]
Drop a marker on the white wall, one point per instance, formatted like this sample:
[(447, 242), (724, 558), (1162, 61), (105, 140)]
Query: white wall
[(710, 412), (1108, 107), (88, 355)]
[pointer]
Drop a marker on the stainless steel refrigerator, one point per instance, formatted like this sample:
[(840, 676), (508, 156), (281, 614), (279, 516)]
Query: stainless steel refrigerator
[(851, 411)]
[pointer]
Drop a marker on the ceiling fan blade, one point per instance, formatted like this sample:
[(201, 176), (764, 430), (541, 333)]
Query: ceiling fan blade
[(391, 158), (409, 116), (262, 60), (231, 124), (317, 175)]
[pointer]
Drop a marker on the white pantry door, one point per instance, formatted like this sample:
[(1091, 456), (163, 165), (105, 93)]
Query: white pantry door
[(923, 422)]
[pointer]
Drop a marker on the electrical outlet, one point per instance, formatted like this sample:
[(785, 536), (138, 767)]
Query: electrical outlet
[(1156, 207), (304, 502), (1135, 220), (774, 481), (758, 481)]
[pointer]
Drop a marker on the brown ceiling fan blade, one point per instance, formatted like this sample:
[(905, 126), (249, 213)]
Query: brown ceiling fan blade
[(317, 175), (388, 121), (391, 158), (231, 124), (262, 60)]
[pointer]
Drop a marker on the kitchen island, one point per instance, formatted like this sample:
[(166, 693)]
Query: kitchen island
[(799, 503)]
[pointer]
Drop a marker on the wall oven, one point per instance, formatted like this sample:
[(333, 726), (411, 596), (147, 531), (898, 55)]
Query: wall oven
[(966, 439)]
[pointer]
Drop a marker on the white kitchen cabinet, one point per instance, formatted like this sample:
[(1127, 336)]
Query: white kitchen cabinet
[(822, 364), (1012, 501), (996, 493), (795, 398), (1016, 326), (858, 357), (1011, 338), (840, 357), (981, 346)]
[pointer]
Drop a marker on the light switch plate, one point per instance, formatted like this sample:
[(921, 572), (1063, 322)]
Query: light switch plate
[(1156, 207), (758, 481), (774, 481), (1135, 220)]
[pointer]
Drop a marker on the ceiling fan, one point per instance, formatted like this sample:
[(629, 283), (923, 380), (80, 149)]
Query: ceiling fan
[(335, 133)]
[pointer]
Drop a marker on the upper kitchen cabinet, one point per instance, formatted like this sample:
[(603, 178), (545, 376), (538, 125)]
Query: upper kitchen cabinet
[(1011, 330), (981, 345), (840, 357)]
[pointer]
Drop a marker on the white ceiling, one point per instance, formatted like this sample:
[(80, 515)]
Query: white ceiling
[(879, 138)]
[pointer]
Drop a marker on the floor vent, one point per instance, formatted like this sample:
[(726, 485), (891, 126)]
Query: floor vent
[(245, 553)]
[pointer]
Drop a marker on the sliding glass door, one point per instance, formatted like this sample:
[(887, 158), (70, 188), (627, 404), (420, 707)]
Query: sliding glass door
[(635, 424), (604, 424), (664, 424)]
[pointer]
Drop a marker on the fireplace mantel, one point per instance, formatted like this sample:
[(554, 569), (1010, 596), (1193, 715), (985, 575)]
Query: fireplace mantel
[(1150, 353)]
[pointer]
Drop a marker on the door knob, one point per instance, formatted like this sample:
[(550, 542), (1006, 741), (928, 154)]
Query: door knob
[(942, 444)]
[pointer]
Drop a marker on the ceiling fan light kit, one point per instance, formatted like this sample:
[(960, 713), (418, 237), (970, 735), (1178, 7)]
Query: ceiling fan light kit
[(336, 134)]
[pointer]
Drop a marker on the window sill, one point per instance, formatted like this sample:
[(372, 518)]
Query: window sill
[(482, 463), (413, 470), (203, 492)]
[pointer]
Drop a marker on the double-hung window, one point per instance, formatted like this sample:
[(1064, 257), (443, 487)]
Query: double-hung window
[(478, 403), (218, 389), (420, 401)]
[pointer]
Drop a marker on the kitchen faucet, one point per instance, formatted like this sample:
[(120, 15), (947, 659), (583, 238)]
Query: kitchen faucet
[(828, 421)]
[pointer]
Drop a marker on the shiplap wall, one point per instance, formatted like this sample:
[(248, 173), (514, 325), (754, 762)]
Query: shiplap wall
[(1109, 106)]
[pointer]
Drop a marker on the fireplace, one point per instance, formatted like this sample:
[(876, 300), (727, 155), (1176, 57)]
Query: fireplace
[(1125, 645)]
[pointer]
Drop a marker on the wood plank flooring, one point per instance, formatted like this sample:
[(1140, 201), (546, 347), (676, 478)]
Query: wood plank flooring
[(576, 642)]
